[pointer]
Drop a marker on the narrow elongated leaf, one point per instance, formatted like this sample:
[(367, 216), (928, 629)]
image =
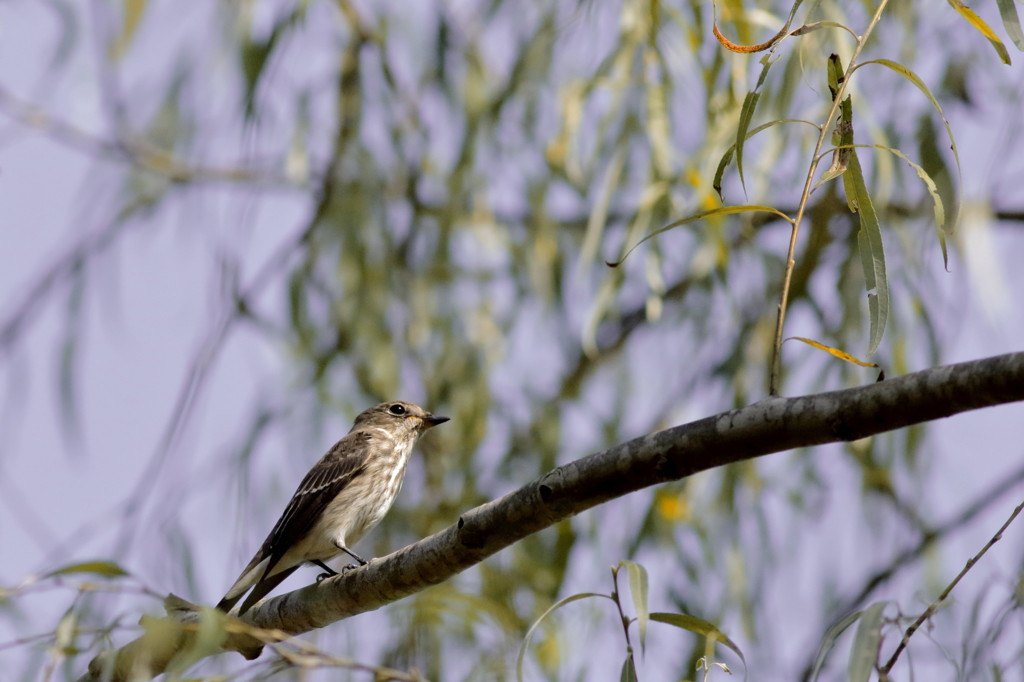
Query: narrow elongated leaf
[(934, 163), (865, 644), (938, 207), (554, 607), (628, 673), (599, 212), (920, 85), (868, 261), (982, 28), (818, 25), (721, 210), (835, 74), (133, 11), (829, 641), (637, 576), (698, 626), (255, 55), (64, 633), (1011, 21), (727, 156), (869, 240), (842, 134), (106, 569), (206, 641), (746, 115), (835, 352)]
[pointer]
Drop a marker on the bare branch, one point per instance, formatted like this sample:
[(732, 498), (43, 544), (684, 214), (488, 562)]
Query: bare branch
[(883, 672), (136, 151), (771, 425)]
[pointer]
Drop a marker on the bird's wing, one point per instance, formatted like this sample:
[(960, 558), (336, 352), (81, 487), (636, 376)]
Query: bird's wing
[(321, 485), (323, 482)]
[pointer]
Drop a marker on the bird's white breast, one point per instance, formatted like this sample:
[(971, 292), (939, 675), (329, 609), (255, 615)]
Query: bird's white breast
[(360, 506)]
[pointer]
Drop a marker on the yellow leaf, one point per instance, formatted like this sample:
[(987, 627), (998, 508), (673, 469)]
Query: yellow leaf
[(133, 10), (842, 355), (983, 28)]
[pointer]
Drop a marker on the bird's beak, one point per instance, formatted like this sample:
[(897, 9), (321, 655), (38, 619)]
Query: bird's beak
[(432, 420)]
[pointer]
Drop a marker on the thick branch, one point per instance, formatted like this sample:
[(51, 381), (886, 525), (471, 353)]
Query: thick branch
[(772, 425)]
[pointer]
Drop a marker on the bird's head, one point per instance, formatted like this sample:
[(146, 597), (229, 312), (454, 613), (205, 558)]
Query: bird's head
[(398, 417)]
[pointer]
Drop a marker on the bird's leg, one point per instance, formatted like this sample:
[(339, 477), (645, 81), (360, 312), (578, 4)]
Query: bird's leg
[(346, 550), (328, 571)]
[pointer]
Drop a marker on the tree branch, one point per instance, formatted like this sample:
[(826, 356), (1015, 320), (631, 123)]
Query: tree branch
[(771, 425)]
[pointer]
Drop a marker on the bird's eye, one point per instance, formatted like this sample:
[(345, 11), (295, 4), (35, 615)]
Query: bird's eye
[(396, 409)]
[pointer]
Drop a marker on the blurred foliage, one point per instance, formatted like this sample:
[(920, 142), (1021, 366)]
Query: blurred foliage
[(467, 168)]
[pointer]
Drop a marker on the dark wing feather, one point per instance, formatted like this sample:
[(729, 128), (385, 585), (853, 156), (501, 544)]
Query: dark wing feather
[(261, 590), (323, 482)]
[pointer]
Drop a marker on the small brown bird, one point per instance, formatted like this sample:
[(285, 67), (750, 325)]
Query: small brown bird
[(342, 497)]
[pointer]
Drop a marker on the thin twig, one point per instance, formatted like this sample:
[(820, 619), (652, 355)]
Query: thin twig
[(928, 539), (934, 606), (134, 150)]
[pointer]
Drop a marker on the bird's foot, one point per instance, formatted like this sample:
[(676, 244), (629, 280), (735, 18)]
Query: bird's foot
[(328, 571)]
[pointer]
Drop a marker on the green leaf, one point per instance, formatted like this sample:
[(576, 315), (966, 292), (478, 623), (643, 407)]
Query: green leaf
[(829, 641), (1011, 21), (864, 653), (747, 112), (983, 28), (920, 85), (818, 25), (746, 115), (64, 633), (835, 74), (554, 607), (842, 136), (596, 223), (727, 156), (105, 569), (628, 673), (637, 576), (721, 210), (872, 257), (698, 626), (204, 642), (937, 205), (934, 163), (255, 55)]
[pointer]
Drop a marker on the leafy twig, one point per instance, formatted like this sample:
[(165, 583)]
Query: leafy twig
[(776, 364)]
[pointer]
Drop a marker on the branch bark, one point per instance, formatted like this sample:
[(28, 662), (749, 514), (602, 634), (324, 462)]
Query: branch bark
[(771, 425)]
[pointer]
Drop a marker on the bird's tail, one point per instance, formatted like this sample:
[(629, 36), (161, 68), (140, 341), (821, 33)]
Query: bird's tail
[(261, 584)]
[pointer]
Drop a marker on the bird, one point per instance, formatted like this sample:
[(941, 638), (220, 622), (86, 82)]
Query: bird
[(346, 493)]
